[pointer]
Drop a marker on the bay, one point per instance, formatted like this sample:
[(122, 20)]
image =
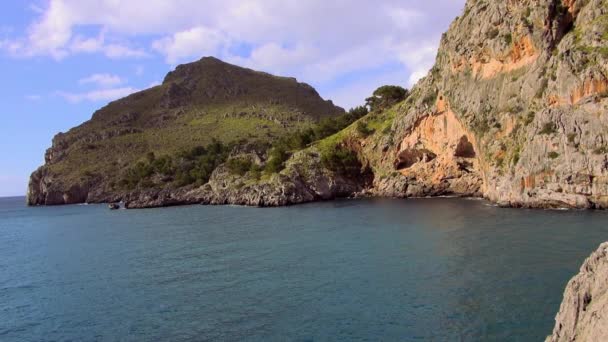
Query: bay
[(350, 270)]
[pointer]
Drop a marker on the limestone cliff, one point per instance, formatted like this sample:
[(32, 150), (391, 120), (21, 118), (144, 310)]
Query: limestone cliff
[(583, 315), (515, 109)]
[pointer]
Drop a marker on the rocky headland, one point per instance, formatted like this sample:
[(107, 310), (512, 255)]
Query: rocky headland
[(514, 110)]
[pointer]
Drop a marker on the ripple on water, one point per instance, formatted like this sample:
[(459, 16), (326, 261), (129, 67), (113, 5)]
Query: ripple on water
[(425, 269)]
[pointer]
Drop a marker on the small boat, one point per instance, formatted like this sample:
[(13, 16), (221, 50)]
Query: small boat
[(114, 206)]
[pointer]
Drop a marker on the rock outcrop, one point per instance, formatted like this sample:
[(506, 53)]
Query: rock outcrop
[(522, 85), (303, 180), (515, 110), (583, 315)]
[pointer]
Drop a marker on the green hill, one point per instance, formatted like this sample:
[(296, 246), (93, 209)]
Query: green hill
[(197, 104)]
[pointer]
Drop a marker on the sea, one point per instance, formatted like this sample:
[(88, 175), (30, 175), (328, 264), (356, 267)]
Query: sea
[(349, 270)]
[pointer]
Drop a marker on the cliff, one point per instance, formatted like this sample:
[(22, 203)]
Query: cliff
[(583, 315), (514, 110)]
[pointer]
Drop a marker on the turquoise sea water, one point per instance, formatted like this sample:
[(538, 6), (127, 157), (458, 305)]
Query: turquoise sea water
[(369, 270)]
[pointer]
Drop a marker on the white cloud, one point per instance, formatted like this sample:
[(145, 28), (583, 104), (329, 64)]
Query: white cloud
[(318, 41), (404, 18), (102, 80), (275, 58), (109, 94), (80, 44), (419, 58), (123, 51), (86, 45), (51, 33), (192, 43)]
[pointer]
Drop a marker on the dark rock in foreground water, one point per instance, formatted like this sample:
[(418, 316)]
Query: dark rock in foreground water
[(583, 315)]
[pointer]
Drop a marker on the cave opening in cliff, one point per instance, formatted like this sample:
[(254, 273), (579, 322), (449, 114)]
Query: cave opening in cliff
[(465, 149)]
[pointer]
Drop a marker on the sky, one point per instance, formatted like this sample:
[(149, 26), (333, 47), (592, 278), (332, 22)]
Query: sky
[(60, 60)]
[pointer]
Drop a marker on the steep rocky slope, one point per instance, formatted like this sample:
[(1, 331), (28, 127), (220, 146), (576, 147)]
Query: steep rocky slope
[(196, 103), (583, 315), (528, 81), (514, 109)]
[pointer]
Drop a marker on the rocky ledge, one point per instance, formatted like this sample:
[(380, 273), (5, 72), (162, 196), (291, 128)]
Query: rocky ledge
[(304, 180), (583, 315)]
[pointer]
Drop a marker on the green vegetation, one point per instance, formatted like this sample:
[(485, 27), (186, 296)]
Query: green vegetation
[(193, 166), (493, 33), (363, 129), (516, 156), (481, 126), (282, 148), (601, 150), (549, 128), (240, 166), (430, 99), (553, 155), (342, 161), (508, 38), (385, 97), (529, 118), (196, 104)]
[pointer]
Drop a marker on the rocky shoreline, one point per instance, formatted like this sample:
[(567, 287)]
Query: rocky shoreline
[(514, 111), (583, 315)]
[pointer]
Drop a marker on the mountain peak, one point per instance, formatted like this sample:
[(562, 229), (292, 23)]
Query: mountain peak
[(197, 102)]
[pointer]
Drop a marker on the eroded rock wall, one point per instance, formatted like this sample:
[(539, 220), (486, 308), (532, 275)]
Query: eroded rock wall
[(583, 315), (524, 82)]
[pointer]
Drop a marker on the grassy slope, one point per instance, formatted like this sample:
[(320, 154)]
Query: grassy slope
[(214, 101)]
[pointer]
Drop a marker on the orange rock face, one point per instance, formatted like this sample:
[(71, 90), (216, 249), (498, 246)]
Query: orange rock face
[(437, 148), (589, 87), (522, 53)]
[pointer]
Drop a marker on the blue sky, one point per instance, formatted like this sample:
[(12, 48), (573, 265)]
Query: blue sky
[(63, 59)]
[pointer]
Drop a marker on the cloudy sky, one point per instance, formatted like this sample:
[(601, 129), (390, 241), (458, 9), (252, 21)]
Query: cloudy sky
[(62, 59)]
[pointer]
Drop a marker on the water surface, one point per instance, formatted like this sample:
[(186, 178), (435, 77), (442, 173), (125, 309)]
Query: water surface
[(370, 270)]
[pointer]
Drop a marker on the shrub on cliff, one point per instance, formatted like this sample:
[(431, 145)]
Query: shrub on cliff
[(239, 166), (385, 97), (281, 149), (191, 166), (341, 160), (363, 129)]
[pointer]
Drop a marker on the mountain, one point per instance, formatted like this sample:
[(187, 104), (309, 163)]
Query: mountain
[(196, 104), (514, 110)]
